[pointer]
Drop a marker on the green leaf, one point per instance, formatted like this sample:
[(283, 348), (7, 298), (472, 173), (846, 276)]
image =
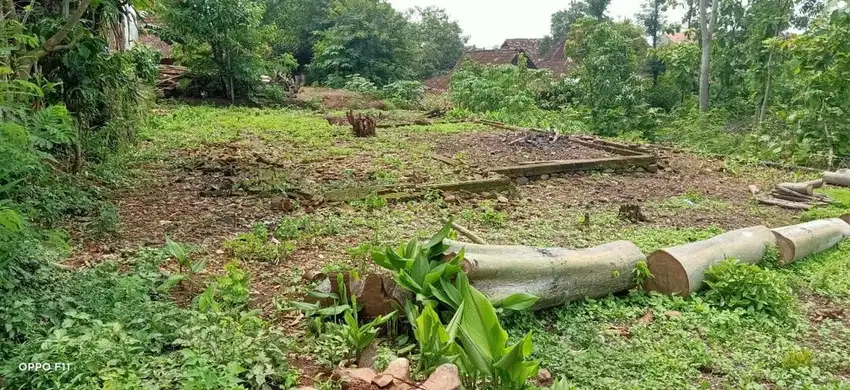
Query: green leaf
[(518, 302), (440, 236), (332, 311), (198, 266), (322, 295), (480, 331), (172, 281), (176, 250)]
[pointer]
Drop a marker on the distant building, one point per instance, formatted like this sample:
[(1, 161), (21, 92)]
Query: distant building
[(497, 57), (672, 39)]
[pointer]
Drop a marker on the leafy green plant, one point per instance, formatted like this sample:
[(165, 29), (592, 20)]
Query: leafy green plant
[(486, 355), (233, 286), (257, 246), (798, 358), (735, 285), (187, 267), (436, 342), (641, 274)]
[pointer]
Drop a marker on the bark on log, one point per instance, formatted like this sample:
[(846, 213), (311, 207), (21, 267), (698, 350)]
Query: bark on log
[(815, 183), (837, 178), (555, 275), (803, 188), (798, 241), (846, 218), (681, 270), (376, 294)]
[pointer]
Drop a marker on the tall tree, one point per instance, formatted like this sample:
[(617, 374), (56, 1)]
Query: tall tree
[(563, 20), (597, 8), (655, 22), (298, 21), (705, 62), (365, 37), (440, 41)]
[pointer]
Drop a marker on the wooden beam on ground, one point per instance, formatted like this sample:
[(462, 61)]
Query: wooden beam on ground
[(608, 147), (410, 192), (444, 159), (547, 168)]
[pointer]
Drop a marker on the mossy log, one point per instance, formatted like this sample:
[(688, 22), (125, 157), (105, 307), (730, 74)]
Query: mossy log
[(555, 275), (681, 270), (837, 178), (798, 241)]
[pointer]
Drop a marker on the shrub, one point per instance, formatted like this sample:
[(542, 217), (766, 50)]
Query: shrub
[(735, 285), (405, 94), (257, 246)]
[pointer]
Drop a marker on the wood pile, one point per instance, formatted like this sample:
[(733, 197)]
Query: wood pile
[(794, 196), (169, 76)]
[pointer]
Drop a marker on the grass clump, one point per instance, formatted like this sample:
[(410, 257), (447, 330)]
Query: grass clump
[(257, 246), (735, 285)]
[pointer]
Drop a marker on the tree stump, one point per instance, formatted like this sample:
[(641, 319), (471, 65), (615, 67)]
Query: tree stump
[(363, 126), (632, 213)]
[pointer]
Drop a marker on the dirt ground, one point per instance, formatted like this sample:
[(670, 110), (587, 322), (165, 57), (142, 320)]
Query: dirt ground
[(206, 196)]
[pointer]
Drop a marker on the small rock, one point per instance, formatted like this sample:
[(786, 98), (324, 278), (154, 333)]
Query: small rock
[(652, 168), (641, 170), (544, 177), (502, 199), (398, 369), (672, 313), (486, 194), (544, 376), (219, 252), (383, 380), (306, 388), (449, 198), (477, 177), (445, 377), (357, 375), (522, 180), (609, 171)]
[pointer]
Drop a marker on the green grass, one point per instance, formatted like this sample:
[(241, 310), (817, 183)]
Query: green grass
[(841, 205)]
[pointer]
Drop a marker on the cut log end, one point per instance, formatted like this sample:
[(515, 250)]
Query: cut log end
[(846, 218), (787, 249), (668, 275)]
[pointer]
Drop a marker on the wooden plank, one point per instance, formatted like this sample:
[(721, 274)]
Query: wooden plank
[(548, 168), (607, 148), (410, 192)]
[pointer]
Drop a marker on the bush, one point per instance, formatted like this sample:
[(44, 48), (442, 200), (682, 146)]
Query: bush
[(506, 88), (406, 94), (734, 285), (258, 246)]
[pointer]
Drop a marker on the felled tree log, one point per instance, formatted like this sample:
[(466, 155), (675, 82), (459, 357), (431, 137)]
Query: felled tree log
[(376, 294), (681, 270), (802, 188), (798, 241), (846, 218), (837, 178), (555, 275), (815, 183)]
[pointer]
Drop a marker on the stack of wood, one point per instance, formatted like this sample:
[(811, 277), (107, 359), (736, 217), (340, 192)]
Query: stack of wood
[(169, 76), (363, 126), (795, 196), (838, 178)]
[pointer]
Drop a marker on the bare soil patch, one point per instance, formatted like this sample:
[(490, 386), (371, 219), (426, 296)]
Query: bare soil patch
[(489, 149)]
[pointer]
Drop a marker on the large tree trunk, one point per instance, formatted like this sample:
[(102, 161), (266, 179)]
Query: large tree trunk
[(798, 241), (837, 178), (555, 275), (681, 270), (705, 31)]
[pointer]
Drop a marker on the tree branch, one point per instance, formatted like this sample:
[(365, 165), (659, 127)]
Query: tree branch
[(51, 43)]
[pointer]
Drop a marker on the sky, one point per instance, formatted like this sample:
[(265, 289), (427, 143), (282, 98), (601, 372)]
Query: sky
[(489, 22)]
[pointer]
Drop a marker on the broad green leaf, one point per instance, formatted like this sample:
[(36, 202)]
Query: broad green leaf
[(322, 295), (382, 260), (480, 331), (518, 302), (440, 236), (305, 307), (198, 266), (332, 311), (172, 281)]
